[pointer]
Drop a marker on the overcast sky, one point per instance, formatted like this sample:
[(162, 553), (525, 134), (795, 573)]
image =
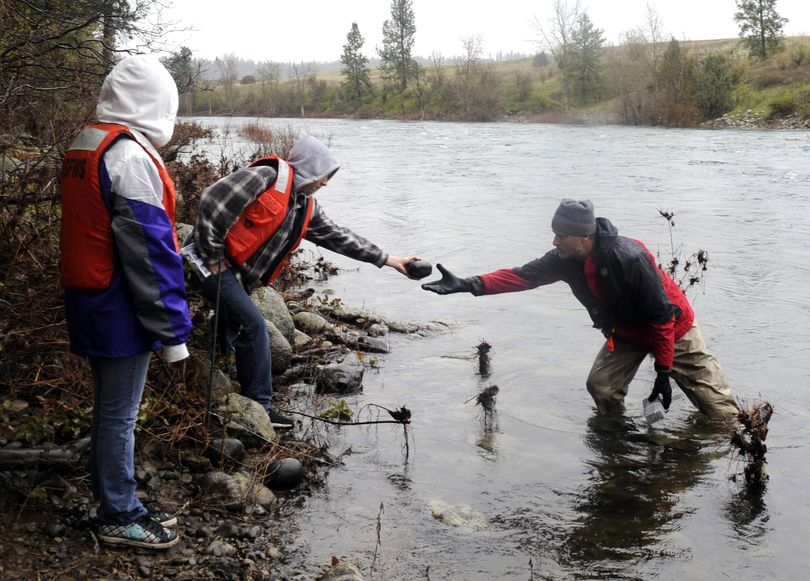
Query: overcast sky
[(315, 30)]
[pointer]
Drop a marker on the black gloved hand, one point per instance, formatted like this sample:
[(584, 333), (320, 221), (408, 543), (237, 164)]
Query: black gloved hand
[(663, 388), (448, 284)]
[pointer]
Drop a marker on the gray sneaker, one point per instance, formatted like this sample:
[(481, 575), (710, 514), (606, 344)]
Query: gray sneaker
[(144, 532), (166, 519)]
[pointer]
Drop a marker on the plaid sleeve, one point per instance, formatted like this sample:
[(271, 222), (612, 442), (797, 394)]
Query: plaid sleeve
[(324, 232)]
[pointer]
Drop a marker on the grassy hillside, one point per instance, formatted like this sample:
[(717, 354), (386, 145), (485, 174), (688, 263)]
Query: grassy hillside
[(532, 89)]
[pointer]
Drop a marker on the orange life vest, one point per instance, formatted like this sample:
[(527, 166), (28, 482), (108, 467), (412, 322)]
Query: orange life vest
[(262, 219), (88, 255)]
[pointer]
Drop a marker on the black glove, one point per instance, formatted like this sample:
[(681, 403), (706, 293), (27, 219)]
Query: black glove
[(448, 284), (662, 388)]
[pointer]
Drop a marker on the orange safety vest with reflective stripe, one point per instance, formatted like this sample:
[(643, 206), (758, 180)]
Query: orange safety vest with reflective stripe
[(262, 218), (88, 255)]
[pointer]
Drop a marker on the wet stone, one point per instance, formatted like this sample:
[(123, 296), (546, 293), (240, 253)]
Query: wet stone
[(54, 529), (226, 449), (221, 549), (227, 531)]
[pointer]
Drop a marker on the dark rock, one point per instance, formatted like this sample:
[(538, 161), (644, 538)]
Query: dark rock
[(54, 529), (285, 474), (229, 531), (226, 449), (419, 269), (195, 462), (345, 377), (374, 345)]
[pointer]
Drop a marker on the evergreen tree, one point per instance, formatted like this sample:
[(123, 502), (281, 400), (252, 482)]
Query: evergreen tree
[(677, 104), (582, 68), (356, 81), (397, 64), (715, 80), (187, 74), (760, 26)]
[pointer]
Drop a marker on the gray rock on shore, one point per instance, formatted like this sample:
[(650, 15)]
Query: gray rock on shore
[(247, 420), (343, 377), (274, 309)]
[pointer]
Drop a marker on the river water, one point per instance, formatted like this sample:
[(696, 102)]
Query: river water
[(545, 488)]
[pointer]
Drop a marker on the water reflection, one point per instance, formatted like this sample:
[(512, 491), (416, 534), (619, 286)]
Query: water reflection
[(748, 514), (487, 441), (630, 502)]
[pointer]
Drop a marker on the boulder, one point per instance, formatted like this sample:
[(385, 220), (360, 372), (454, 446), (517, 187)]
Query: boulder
[(377, 330), (355, 316), (373, 345), (312, 323), (399, 327), (221, 384), (344, 377), (281, 349), (236, 490), (247, 420), (226, 450), (9, 164), (285, 474), (183, 232), (274, 309), (300, 339)]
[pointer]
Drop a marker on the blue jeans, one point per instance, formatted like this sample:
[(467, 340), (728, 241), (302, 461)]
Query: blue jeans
[(246, 333), (119, 386)]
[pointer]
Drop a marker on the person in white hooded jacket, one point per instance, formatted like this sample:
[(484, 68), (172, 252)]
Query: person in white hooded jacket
[(247, 224), (123, 279)]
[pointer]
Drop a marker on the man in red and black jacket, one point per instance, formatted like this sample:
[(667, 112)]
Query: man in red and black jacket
[(637, 306)]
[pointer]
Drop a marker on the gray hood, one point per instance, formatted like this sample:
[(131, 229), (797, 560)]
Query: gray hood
[(140, 93), (311, 161)]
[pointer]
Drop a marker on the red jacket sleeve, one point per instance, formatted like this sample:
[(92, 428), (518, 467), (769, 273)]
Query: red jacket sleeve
[(505, 280)]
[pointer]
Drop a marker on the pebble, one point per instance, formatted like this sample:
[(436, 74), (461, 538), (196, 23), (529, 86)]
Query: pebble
[(221, 549), (228, 531)]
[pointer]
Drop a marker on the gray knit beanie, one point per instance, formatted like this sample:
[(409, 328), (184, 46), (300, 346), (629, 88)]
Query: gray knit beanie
[(574, 217)]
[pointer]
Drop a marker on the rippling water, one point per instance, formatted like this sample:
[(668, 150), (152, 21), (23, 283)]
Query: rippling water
[(547, 489)]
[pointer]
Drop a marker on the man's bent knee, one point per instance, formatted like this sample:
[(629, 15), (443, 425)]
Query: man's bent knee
[(608, 400)]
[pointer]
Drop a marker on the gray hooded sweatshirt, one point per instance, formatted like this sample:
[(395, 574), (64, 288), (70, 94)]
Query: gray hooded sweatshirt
[(222, 203)]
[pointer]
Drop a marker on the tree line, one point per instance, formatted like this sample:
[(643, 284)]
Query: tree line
[(647, 78)]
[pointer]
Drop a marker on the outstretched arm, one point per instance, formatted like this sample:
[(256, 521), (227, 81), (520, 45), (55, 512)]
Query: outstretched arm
[(506, 280), (449, 283)]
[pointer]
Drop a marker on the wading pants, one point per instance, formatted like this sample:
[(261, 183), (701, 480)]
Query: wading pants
[(695, 370)]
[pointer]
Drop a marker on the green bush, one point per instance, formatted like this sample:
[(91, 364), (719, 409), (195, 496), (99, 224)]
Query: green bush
[(802, 102), (781, 106)]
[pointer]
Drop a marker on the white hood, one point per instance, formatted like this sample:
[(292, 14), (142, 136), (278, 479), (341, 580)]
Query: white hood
[(140, 93)]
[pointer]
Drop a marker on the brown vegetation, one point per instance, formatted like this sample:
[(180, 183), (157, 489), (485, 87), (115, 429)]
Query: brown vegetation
[(749, 440)]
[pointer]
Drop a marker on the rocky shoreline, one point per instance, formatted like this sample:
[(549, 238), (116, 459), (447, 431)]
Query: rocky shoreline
[(235, 489), (753, 119)]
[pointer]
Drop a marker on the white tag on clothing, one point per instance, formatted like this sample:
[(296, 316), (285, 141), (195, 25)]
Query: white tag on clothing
[(193, 257)]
